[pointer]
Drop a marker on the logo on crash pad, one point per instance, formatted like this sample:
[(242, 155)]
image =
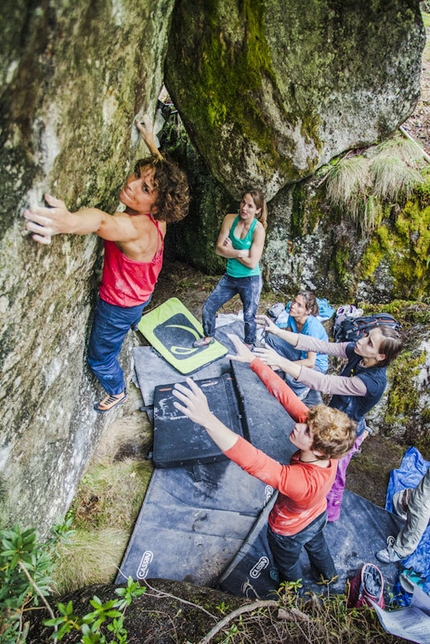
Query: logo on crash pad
[(142, 571), (258, 568), (177, 334)]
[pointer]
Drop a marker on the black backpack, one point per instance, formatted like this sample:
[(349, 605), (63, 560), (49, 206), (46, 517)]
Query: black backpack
[(352, 329)]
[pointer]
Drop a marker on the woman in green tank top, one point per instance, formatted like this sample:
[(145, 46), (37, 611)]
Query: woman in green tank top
[(241, 242)]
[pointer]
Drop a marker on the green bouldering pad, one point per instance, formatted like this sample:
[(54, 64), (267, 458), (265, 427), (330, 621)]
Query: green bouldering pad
[(172, 329)]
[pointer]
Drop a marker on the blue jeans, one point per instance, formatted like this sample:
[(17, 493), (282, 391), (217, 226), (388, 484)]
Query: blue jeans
[(286, 551), (111, 325), (287, 350), (248, 289)]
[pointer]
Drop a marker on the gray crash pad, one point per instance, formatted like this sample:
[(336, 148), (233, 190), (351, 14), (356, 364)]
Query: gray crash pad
[(194, 520), (192, 523), (266, 423), (198, 523)]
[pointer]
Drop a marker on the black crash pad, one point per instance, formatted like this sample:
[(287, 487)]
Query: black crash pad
[(194, 520), (177, 440), (265, 421)]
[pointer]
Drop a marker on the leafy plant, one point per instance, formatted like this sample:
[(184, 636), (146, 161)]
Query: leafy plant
[(26, 569)]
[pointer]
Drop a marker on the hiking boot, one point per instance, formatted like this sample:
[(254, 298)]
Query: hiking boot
[(388, 554)]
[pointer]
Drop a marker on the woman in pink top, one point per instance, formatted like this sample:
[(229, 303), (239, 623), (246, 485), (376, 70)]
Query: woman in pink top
[(321, 435), (156, 193)]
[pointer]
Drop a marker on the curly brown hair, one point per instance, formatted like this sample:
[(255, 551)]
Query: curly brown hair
[(172, 188), (333, 431)]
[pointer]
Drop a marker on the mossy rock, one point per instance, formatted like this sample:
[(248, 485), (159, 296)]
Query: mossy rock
[(270, 90)]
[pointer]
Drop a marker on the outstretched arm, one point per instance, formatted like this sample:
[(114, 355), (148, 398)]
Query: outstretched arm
[(270, 327), (145, 127), (331, 384), (274, 384), (274, 360), (56, 220), (194, 405)]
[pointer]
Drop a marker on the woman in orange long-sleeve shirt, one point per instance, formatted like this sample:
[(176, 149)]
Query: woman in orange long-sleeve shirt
[(321, 435)]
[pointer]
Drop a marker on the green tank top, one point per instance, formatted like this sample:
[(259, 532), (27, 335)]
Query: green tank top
[(234, 267)]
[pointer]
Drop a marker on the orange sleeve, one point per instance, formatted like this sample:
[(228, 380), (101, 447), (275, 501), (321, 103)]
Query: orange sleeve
[(281, 391)]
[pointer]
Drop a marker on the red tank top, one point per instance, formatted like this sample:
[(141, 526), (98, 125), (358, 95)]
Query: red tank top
[(126, 282)]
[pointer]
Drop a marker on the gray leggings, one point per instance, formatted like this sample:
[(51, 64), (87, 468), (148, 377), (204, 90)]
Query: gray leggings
[(418, 516)]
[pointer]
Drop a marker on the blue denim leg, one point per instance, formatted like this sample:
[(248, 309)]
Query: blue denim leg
[(286, 551), (249, 289), (285, 349), (299, 389), (319, 554), (222, 293), (111, 325)]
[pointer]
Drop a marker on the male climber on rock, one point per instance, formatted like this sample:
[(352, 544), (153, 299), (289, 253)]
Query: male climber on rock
[(155, 194)]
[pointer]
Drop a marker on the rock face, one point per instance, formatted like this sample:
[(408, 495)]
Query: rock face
[(312, 245), (270, 90), (73, 78)]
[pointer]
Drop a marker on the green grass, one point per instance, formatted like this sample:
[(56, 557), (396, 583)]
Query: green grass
[(360, 185), (104, 510), (92, 557), (110, 494)]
